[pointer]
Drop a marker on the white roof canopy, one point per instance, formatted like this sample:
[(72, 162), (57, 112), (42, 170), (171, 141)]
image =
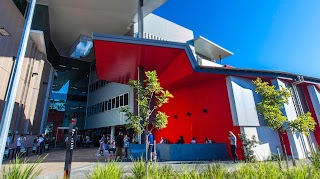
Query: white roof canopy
[(70, 18), (209, 49)]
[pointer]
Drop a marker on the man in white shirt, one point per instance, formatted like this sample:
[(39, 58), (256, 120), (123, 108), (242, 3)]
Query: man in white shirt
[(41, 143), (233, 143), (20, 141)]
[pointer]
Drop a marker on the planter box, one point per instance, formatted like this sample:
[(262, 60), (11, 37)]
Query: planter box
[(184, 152)]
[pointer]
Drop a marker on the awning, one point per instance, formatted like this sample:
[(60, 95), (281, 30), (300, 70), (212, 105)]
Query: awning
[(209, 49)]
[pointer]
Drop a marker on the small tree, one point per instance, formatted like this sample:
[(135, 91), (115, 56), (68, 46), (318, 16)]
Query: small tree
[(150, 98), (248, 145), (270, 109)]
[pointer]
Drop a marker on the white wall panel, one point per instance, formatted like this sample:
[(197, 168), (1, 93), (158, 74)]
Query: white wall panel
[(243, 101), (289, 109), (315, 98), (297, 141), (269, 141)]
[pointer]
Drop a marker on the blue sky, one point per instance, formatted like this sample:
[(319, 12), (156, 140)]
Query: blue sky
[(281, 35)]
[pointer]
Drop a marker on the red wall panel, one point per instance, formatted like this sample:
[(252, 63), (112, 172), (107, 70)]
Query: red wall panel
[(215, 124)]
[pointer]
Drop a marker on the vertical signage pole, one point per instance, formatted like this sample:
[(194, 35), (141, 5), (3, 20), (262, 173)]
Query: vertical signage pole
[(69, 151)]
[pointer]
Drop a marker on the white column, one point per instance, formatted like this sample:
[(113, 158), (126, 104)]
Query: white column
[(113, 129), (290, 112), (14, 82)]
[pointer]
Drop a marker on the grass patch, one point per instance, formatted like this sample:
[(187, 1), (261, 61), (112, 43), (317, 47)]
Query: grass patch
[(19, 169), (108, 170), (260, 170)]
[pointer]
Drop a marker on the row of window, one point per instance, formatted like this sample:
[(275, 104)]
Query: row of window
[(98, 84), (119, 101), (78, 114)]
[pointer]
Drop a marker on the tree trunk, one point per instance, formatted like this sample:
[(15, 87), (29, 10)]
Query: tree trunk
[(146, 142)]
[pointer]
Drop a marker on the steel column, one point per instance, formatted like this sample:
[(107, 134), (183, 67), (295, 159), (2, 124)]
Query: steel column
[(140, 19), (14, 82)]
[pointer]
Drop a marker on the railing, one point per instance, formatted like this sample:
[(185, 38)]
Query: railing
[(150, 36)]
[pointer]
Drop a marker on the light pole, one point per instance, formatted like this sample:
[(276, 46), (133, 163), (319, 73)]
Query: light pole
[(14, 82)]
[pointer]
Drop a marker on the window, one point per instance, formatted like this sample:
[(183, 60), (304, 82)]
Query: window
[(117, 102), (95, 109), (109, 104), (106, 105), (102, 106), (126, 99), (99, 84), (99, 107), (96, 84), (113, 103), (121, 100)]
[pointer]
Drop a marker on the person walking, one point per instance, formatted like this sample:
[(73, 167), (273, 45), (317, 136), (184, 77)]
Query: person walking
[(233, 143), (119, 146)]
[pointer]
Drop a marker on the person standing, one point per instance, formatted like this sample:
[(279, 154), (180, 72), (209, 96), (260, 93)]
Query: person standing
[(35, 145), (181, 140), (112, 148), (8, 141), (126, 143), (151, 145), (233, 143), (208, 141), (103, 138), (193, 141), (20, 142), (162, 141), (119, 146), (41, 143)]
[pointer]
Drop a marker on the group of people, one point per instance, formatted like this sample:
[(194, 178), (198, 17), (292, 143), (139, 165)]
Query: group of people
[(37, 148), (181, 141), (122, 141), (114, 147), (39, 144), (232, 138)]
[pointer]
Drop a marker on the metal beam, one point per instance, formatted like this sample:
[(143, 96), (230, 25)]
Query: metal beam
[(14, 82)]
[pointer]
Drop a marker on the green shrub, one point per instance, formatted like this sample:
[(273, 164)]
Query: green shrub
[(303, 172), (108, 170), (315, 159), (216, 171), (258, 170), (188, 173), (167, 172), (138, 169), (19, 169)]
